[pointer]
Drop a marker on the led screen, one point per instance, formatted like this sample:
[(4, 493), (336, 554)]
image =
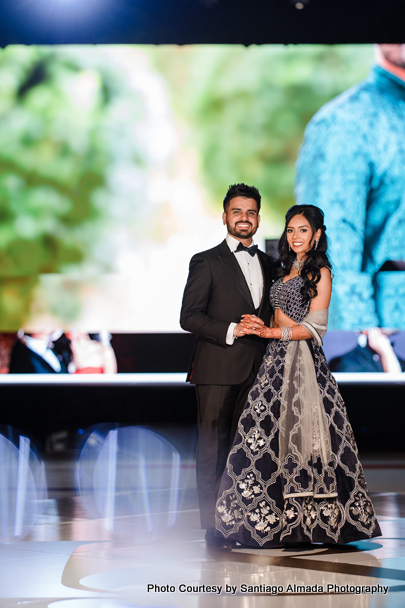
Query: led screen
[(114, 162)]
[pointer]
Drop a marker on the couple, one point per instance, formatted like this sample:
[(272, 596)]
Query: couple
[(277, 462)]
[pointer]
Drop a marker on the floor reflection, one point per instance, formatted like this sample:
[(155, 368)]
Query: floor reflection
[(71, 561)]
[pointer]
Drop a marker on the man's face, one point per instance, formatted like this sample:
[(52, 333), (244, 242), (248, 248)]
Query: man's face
[(394, 53), (241, 218)]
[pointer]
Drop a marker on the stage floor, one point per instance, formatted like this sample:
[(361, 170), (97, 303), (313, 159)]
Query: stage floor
[(72, 561)]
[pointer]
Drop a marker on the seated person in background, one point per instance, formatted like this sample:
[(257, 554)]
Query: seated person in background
[(40, 353), (92, 353), (7, 341), (373, 353)]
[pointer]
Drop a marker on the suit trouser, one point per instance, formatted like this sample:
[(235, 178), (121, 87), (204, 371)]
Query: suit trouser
[(219, 410)]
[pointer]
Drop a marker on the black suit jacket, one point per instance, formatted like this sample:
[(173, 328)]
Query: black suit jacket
[(215, 295), (359, 360), (25, 361)]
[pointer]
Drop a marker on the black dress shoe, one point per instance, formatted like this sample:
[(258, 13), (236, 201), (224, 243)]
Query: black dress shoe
[(217, 542)]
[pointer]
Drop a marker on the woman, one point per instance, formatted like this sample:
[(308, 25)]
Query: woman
[(92, 353), (293, 474)]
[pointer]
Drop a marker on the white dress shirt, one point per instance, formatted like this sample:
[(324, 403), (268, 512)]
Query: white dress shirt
[(40, 347), (252, 271)]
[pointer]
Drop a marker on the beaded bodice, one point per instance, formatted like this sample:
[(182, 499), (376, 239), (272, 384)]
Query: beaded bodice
[(287, 297)]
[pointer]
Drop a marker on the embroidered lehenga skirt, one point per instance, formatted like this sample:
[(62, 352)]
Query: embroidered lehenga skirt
[(293, 474)]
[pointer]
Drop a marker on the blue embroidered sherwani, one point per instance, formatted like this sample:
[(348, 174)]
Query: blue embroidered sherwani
[(352, 165)]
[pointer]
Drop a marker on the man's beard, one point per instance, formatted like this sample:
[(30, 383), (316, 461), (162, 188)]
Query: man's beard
[(242, 234)]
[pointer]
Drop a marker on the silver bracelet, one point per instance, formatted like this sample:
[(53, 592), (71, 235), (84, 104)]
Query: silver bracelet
[(286, 334)]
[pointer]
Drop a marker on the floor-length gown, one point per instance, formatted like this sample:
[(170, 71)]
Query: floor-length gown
[(293, 474)]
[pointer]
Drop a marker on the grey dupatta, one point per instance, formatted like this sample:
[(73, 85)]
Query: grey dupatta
[(316, 322), (294, 448), (305, 455)]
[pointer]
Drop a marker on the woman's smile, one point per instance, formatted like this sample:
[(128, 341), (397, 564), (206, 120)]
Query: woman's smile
[(299, 235)]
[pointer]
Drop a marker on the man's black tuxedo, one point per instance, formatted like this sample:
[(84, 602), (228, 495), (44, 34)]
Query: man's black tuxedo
[(216, 295), (25, 361), (360, 359)]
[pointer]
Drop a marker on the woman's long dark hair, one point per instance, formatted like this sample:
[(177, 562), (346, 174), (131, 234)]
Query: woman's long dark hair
[(315, 258)]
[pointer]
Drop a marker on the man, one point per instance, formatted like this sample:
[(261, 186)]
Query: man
[(351, 164), (374, 353), (224, 283), (40, 353)]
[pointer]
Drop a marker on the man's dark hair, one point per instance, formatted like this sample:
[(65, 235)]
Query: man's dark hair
[(243, 191)]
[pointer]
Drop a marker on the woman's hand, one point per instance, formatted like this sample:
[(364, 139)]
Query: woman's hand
[(250, 324), (265, 332)]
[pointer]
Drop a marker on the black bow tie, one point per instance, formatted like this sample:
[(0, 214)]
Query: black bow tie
[(252, 249)]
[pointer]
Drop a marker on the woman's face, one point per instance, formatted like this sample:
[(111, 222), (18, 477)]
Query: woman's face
[(299, 235)]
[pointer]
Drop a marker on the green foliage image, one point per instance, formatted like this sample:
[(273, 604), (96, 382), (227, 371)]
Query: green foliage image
[(87, 132), (65, 118), (247, 108)]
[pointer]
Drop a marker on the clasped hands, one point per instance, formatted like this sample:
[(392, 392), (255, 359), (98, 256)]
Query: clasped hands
[(250, 324)]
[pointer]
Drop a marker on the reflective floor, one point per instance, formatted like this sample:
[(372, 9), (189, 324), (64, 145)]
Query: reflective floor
[(72, 561)]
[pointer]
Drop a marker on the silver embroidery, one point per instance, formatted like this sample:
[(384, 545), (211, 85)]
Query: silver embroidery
[(272, 500), (263, 518)]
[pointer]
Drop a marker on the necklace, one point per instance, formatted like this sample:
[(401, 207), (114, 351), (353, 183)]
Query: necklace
[(298, 264)]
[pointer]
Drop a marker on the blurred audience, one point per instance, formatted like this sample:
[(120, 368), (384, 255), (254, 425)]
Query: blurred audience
[(92, 353), (58, 353), (373, 353), (7, 340), (40, 353)]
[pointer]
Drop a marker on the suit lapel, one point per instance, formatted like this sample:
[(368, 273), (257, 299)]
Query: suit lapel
[(227, 259), (44, 363)]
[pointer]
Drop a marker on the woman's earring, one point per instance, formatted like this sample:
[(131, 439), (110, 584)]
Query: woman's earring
[(316, 244), (289, 248)]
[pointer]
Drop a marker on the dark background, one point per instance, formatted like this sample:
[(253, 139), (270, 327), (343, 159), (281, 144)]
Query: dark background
[(376, 412), (200, 21)]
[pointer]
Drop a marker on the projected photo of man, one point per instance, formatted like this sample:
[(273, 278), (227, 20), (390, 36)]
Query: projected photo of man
[(376, 350), (351, 163), (46, 352)]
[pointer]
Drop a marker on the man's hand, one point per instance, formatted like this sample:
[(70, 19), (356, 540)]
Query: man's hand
[(380, 343), (240, 331), (378, 340)]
